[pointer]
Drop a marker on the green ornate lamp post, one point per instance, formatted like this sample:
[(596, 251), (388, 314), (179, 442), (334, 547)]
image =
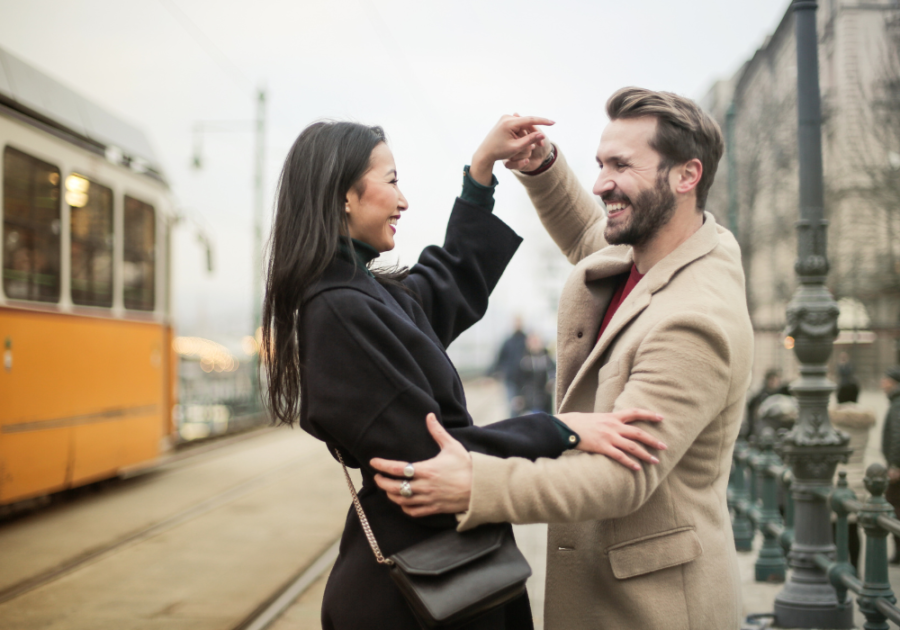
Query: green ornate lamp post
[(813, 448)]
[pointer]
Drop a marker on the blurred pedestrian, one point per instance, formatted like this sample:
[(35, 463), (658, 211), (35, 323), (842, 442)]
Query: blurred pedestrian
[(856, 422), (508, 364), (890, 444), (771, 385), (778, 412), (536, 376), (848, 386)]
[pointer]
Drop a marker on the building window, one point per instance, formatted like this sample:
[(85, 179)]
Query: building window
[(140, 255), (31, 227), (92, 241)]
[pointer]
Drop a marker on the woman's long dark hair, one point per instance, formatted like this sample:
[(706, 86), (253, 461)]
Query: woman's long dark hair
[(326, 161)]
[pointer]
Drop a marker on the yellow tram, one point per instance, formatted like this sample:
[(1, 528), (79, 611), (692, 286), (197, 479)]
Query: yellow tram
[(87, 381)]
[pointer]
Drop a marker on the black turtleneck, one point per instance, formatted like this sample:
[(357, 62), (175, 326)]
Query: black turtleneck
[(361, 254)]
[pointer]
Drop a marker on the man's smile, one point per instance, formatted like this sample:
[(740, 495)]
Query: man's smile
[(616, 208)]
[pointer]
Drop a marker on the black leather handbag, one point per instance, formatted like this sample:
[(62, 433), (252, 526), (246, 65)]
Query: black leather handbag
[(452, 578)]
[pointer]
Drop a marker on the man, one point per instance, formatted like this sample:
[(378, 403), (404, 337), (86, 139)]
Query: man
[(848, 386), (507, 363), (653, 316), (771, 385)]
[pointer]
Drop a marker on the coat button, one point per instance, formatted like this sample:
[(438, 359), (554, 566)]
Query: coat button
[(580, 334), (572, 439)]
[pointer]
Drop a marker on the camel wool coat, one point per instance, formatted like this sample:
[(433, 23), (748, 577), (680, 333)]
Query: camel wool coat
[(648, 550)]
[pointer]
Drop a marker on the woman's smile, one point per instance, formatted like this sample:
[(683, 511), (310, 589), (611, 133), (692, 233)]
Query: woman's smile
[(374, 206)]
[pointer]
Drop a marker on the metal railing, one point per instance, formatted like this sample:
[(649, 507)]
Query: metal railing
[(758, 482), (758, 479)]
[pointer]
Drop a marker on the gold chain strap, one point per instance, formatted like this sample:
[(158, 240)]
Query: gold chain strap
[(362, 516)]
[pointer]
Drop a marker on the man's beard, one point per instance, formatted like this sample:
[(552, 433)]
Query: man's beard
[(650, 211)]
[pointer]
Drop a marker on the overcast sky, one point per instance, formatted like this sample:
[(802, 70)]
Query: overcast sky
[(435, 74)]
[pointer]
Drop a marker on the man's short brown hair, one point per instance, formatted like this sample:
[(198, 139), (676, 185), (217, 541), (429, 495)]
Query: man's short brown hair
[(683, 130)]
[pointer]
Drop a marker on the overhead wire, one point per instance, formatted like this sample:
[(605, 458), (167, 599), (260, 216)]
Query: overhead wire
[(408, 74), (208, 45)]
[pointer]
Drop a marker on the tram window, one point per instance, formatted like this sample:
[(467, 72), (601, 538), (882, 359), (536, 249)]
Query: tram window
[(92, 241), (139, 255), (31, 227)]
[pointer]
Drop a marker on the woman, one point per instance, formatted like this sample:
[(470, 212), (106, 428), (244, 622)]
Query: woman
[(364, 349)]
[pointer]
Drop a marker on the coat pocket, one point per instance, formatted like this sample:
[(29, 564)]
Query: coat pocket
[(652, 553)]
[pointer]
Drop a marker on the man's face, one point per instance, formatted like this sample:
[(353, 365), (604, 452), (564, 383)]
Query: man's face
[(888, 384), (638, 196)]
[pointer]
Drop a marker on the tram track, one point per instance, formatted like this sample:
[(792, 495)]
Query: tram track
[(271, 610), (98, 553), (234, 539)]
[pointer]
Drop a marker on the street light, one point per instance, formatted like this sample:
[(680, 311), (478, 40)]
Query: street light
[(259, 131), (813, 448), (258, 127)]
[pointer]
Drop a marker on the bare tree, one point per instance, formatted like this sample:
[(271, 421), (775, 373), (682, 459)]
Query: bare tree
[(871, 196), (766, 164)]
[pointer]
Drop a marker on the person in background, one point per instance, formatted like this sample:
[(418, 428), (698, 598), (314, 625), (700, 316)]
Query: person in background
[(848, 386), (507, 364), (856, 421), (771, 385), (779, 412), (536, 377), (890, 444)]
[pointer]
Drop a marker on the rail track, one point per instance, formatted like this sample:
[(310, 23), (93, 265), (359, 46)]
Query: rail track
[(266, 508)]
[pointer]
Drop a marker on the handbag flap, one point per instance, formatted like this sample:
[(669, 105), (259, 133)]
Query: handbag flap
[(448, 550)]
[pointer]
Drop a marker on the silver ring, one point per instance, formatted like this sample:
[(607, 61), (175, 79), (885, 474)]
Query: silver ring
[(409, 471), (405, 489)]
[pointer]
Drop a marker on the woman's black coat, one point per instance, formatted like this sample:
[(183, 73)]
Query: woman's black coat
[(373, 365)]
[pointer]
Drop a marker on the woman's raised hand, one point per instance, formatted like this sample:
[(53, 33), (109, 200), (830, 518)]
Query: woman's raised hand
[(512, 139), (611, 434)]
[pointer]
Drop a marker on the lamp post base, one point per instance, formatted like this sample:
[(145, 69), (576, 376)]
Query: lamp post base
[(812, 605)]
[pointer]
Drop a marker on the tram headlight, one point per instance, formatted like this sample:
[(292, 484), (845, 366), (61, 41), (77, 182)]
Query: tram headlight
[(77, 188)]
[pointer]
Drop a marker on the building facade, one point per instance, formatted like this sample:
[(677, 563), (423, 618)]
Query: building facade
[(756, 192)]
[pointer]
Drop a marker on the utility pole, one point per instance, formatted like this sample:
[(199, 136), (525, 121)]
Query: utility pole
[(259, 137), (258, 205), (813, 448)]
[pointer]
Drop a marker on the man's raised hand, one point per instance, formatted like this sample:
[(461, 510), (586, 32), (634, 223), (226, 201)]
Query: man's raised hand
[(513, 139), (531, 157)]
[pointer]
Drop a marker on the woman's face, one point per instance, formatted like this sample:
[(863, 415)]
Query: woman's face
[(372, 216)]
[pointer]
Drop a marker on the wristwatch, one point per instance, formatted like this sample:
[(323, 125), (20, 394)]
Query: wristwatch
[(550, 156)]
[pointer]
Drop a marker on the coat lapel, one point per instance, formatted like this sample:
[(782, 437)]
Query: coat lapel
[(583, 302), (609, 262)]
